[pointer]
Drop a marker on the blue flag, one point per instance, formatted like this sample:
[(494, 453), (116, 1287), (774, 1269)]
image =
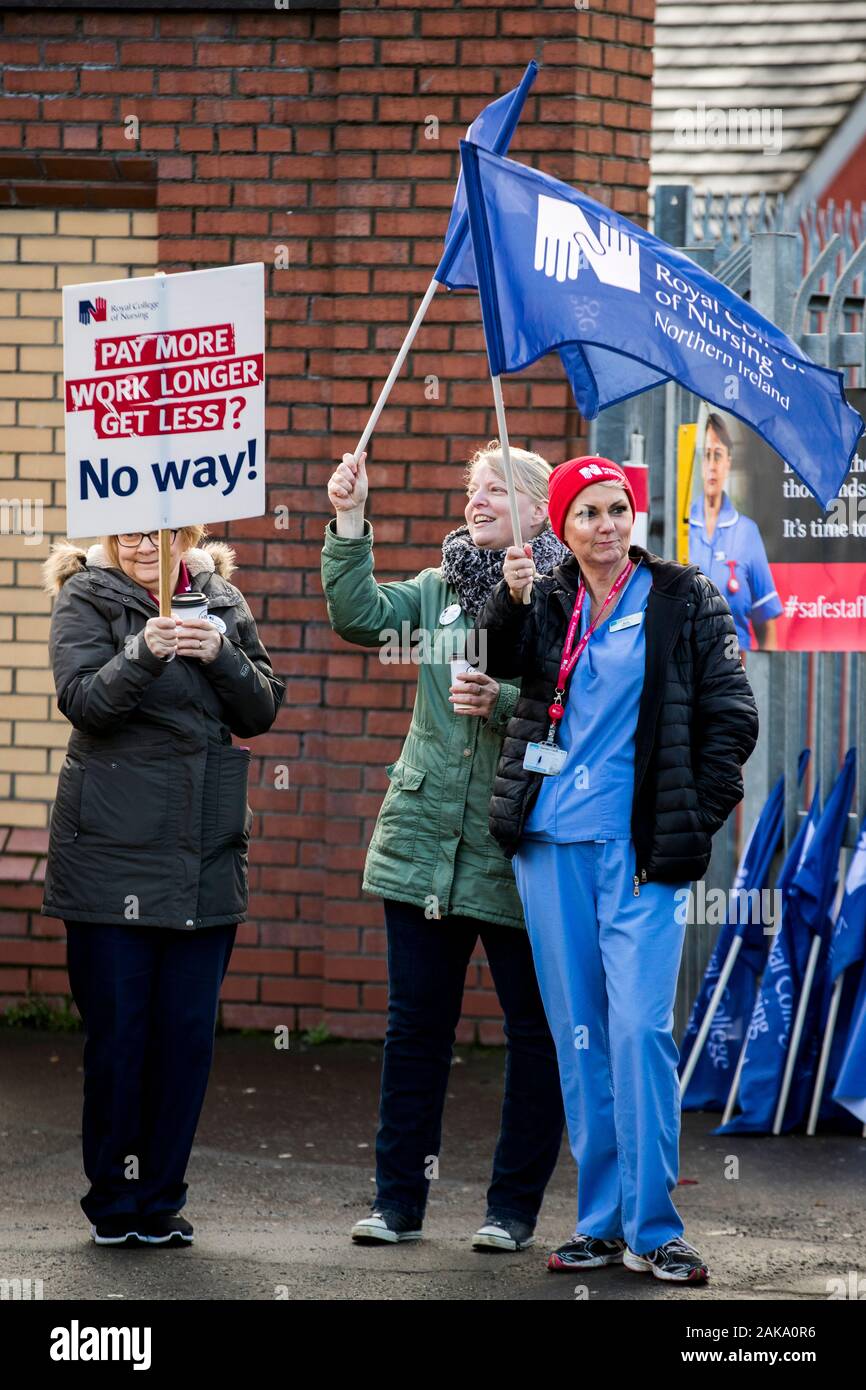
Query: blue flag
[(492, 130), (813, 890), (807, 896), (848, 946), (814, 885), (848, 955), (713, 1076), (770, 1025), (850, 1088), (557, 270)]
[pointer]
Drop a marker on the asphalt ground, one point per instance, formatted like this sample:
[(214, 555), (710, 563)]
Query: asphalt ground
[(283, 1164)]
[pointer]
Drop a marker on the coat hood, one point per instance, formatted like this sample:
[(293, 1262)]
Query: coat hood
[(66, 559)]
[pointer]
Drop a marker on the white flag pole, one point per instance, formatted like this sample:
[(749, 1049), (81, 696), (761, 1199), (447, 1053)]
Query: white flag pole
[(824, 1062), (707, 1020), (735, 1084), (506, 468), (796, 1032), (395, 370)]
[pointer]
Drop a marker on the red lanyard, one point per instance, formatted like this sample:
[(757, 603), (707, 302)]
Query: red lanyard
[(571, 657)]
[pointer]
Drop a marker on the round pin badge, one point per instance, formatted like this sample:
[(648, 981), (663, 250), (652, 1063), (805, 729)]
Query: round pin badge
[(451, 613), (217, 622)]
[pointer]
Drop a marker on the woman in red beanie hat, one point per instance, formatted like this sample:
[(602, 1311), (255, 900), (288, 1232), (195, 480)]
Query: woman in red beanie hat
[(621, 760)]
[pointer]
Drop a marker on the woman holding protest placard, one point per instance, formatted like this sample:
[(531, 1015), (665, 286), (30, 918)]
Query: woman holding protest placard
[(622, 759), (147, 859), (443, 878)]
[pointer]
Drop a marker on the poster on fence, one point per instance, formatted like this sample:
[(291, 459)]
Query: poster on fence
[(164, 386), (793, 575)]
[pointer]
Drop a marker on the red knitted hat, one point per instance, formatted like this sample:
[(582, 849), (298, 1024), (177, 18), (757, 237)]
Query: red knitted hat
[(572, 477)]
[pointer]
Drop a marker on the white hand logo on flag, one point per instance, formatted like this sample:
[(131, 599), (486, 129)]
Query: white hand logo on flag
[(562, 233)]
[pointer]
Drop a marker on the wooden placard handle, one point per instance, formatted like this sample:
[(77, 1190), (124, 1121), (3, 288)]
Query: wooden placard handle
[(165, 574)]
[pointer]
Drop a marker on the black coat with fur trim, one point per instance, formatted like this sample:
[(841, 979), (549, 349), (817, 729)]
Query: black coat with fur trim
[(697, 720), (150, 825)]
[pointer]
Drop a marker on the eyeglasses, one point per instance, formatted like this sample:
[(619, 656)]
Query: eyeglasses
[(132, 539)]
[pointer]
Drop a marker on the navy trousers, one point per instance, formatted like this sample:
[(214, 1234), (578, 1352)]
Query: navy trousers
[(427, 962), (148, 998)]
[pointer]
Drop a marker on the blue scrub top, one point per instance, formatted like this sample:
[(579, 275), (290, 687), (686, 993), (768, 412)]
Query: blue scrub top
[(591, 798), (736, 538)]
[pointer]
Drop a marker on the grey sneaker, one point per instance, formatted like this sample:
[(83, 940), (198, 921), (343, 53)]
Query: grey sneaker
[(384, 1227), (676, 1261), (586, 1252)]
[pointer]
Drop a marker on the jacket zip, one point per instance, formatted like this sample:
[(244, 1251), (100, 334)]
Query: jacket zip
[(639, 876)]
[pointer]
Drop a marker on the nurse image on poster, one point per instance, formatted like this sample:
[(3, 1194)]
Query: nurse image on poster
[(728, 546)]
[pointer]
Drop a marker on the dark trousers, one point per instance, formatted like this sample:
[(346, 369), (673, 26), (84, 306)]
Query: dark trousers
[(427, 962), (148, 997)]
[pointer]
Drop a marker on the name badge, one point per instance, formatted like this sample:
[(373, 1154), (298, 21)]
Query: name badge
[(630, 620), (545, 758)]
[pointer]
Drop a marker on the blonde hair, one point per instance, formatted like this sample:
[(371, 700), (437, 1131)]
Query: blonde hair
[(531, 471), (190, 536)]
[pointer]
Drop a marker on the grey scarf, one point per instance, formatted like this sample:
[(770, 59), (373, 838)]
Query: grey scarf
[(475, 572)]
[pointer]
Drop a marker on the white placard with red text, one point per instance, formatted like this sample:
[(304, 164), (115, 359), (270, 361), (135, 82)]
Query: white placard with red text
[(164, 386)]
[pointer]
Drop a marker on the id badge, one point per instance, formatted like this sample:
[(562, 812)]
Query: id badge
[(545, 758)]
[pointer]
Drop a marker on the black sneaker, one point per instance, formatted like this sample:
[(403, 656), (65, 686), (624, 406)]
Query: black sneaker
[(586, 1252), (503, 1233), (166, 1228), (384, 1227), (676, 1261), (126, 1229)]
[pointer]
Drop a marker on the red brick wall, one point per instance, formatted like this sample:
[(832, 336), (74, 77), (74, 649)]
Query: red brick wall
[(308, 129)]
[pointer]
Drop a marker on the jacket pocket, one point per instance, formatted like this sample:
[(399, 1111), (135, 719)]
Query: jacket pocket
[(66, 811), (497, 866), (397, 825), (125, 796), (226, 817)]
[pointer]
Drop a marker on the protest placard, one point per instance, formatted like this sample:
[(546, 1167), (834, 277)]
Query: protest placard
[(164, 390)]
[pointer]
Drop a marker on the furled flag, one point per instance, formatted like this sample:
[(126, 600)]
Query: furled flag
[(807, 895), (711, 1079), (770, 1025), (492, 130), (848, 953), (850, 1088), (848, 946), (557, 270), (813, 890)]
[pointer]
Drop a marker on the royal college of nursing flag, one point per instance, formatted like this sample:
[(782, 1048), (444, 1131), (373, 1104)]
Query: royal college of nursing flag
[(711, 1078), (806, 884), (813, 889), (558, 271), (848, 953), (492, 129), (770, 1024)]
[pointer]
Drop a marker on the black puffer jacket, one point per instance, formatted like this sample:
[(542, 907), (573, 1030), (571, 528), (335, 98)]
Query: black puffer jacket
[(697, 720), (150, 825)]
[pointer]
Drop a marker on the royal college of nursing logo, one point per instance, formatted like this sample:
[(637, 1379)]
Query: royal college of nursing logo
[(565, 243), (90, 312)]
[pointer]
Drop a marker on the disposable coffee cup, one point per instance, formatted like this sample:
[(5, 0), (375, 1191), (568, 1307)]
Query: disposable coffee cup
[(189, 605), (458, 669)]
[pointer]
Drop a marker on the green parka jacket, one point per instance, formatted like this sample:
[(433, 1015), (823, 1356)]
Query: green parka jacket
[(431, 845), (150, 824)]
